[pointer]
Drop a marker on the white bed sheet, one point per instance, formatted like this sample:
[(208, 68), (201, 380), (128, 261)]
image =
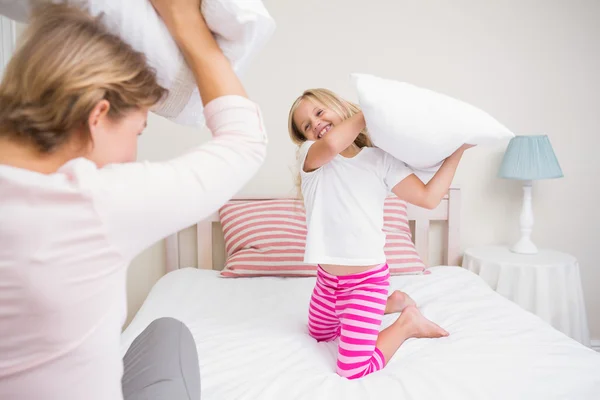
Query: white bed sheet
[(252, 341)]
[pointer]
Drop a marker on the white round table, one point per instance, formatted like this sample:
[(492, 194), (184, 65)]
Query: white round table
[(547, 284)]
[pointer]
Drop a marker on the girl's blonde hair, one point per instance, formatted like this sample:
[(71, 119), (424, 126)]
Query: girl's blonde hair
[(332, 101), (66, 63), (328, 99)]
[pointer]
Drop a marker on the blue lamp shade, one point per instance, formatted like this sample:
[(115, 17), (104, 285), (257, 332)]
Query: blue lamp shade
[(530, 158)]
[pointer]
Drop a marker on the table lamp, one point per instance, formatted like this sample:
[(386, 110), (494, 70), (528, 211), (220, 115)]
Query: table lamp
[(528, 158)]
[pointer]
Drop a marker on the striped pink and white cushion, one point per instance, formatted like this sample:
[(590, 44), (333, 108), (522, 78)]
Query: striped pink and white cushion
[(268, 237), (265, 238)]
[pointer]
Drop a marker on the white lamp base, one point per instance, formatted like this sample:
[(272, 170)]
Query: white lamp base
[(525, 245)]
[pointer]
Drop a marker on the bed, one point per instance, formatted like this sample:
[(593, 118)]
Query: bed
[(253, 343)]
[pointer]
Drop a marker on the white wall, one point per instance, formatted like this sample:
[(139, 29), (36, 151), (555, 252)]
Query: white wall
[(532, 64)]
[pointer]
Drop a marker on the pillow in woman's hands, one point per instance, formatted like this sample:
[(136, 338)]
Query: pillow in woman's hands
[(419, 126), (241, 29)]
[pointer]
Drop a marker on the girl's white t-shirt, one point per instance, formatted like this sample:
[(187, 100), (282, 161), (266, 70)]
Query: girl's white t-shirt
[(344, 201)]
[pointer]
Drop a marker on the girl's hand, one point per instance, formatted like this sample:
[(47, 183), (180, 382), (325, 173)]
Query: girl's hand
[(412, 190)]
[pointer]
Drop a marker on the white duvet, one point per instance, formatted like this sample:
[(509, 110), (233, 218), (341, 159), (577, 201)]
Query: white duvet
[(252, 343)]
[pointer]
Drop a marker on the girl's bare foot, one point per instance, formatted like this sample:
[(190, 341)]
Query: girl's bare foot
[(410, 324), (398, 301), (419, 326)]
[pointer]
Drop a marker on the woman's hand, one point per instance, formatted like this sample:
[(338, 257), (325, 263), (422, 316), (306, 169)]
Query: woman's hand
[(213, 72), (174, 11), (466, 146)]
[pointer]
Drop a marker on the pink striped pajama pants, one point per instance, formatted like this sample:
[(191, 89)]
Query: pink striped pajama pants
[(351, 307)]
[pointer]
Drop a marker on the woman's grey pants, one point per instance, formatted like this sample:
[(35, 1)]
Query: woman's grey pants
[(162, 363)]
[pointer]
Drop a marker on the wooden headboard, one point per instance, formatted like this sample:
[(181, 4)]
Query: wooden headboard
[(210, 249)]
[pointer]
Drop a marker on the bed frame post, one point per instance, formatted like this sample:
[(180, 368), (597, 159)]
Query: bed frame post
[(422, 239), (453, 232), (172, 252), (204, 242)]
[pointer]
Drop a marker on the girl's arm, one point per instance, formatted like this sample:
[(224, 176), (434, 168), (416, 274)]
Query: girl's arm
[(338, 139), (414, 191)]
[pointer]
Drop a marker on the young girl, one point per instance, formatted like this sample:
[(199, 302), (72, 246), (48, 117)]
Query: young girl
[(344, 183)]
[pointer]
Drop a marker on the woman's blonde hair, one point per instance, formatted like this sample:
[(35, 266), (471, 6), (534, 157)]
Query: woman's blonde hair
[(328, 99), (66, 63)]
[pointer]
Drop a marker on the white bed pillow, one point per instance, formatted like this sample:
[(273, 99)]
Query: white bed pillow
[(241, 29), (419, 126)]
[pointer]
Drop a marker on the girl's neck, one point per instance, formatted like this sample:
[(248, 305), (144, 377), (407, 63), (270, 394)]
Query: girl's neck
[(351, 151)]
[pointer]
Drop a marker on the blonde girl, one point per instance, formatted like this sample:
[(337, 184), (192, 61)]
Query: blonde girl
[(344, 183)]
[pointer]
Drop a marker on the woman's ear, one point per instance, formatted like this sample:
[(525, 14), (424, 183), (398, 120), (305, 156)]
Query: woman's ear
[(98, 115)]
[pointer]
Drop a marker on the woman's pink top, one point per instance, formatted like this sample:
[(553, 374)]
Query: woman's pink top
[(67, 238)]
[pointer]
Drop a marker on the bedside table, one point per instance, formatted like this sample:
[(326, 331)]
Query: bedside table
[(547, 284)]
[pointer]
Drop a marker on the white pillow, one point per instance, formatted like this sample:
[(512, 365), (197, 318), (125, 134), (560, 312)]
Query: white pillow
[(419, 126), (241, 29)]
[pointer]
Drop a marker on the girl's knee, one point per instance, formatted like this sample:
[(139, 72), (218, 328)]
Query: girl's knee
[(354, 374), (353, 369), (351, 374), (322, 336)]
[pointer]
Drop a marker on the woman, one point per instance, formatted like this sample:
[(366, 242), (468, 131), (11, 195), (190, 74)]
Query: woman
[(74, 207)]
